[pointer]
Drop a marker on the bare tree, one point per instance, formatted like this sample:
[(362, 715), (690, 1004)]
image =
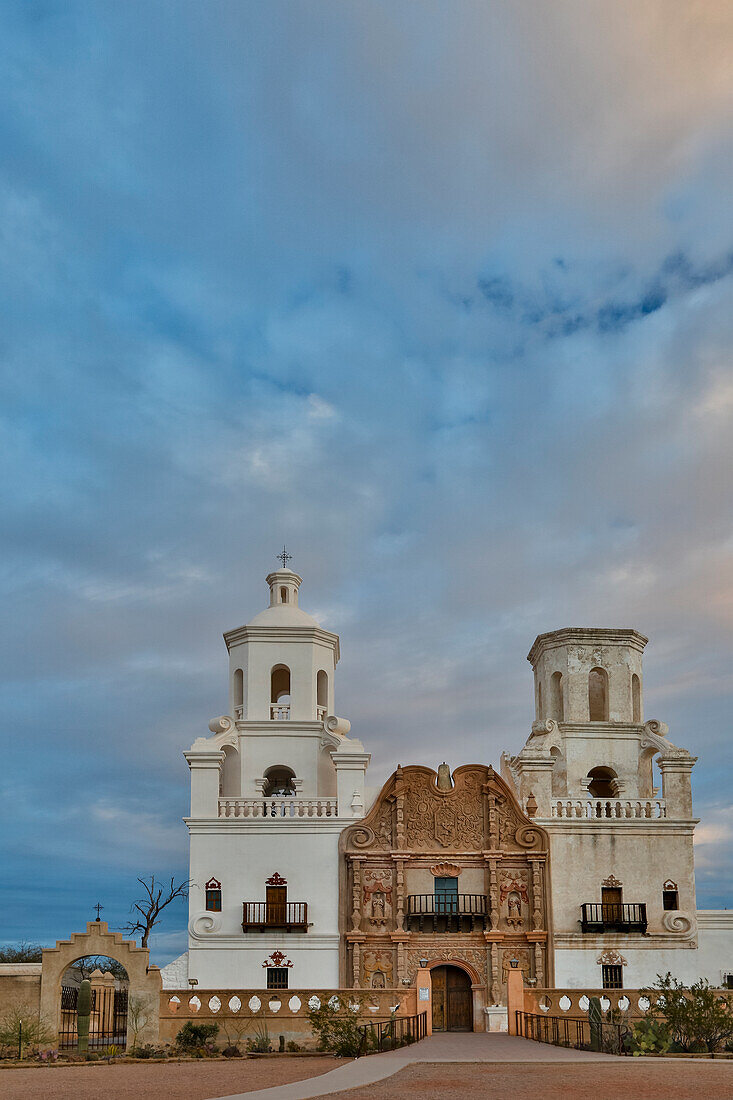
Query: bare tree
[(146, 911)]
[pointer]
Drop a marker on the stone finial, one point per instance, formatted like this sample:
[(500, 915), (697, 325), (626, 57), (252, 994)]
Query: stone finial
[(444, 780), (531, 805)]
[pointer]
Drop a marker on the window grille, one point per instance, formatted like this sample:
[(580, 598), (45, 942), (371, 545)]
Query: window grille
[(277, 977), (613, 976)]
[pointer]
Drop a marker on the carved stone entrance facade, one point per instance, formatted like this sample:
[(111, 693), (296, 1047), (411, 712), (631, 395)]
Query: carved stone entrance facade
[(451, 870)]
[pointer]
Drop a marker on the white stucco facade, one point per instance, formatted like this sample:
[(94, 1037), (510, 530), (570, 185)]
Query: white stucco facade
[(271, 790), (279, 779)]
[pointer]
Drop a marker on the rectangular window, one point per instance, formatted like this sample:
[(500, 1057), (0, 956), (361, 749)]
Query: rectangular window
[(728, 981), (446, 895), (277, 977), (669, 899), (213, 901), (613, 977)]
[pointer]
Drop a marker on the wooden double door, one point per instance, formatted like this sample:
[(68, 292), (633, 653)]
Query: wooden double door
[(452, 999)]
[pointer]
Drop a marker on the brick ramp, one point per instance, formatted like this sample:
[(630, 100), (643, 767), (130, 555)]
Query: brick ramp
[(445, 1047)]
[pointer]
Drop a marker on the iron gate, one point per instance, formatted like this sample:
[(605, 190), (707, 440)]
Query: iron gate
[(107, 1021)]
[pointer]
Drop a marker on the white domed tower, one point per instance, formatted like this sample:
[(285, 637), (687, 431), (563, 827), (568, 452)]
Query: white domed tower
[(270, 792)]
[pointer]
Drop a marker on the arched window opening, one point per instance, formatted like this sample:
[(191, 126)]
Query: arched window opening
[(283, 595), (540, 714), (322, 692), (598, 695), (230, 782), (602, 782), (279, 782), (636, 697), (558, 710), (280, 692), (238, 693)]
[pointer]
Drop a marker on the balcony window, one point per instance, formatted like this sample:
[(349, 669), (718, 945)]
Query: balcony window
[(446, 911), (446, 894)]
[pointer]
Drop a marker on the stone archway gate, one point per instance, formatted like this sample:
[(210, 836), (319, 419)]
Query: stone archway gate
[(144, 979)]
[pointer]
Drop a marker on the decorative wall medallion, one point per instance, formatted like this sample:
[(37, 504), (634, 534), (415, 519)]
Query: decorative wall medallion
[(669, 885), (445, 870), (611, 958), (277, 959), (611, 882), (276, 880), (214, 884)]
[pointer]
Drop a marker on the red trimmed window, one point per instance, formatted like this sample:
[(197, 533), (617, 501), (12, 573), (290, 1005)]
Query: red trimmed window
[(213, 896)]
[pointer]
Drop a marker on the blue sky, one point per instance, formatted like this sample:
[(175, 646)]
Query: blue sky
[(439, 294)]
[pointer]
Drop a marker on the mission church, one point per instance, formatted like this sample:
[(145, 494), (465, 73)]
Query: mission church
[(569, 861)]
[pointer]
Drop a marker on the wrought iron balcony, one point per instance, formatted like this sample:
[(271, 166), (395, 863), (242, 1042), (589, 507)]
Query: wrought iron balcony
[(613, 917), (446, 912), (290, 915)]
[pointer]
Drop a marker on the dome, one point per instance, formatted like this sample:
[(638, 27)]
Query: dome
[(283, 614)]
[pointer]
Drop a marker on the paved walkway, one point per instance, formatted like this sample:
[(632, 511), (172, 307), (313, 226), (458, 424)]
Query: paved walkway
[(442, 1047)]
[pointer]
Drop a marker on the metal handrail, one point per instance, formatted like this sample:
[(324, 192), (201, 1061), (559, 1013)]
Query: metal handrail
[(561, 1031), (273, 914), (446, 904), (398, 1031), (614, 916)]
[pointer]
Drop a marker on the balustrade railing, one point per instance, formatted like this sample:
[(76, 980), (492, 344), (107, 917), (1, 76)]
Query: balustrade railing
[(279, 713), (593, 809), (278, 807), (321, 713)]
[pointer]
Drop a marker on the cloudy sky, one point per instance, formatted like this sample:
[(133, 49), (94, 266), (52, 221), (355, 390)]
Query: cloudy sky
[(440, 294)]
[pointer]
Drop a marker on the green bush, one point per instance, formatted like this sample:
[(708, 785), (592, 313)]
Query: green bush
[(337, 1033), (148, 1050), (194, 1038), (695, 1017)]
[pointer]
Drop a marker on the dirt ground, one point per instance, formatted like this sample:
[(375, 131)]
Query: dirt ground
[(164, 1081), (651, 1080)]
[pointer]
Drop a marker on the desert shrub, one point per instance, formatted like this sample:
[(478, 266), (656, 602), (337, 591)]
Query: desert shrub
[(22, 1023), (260, 1041), (193, 1038), (336, 1032), (294, 1047), (232, 1052), (695, 1018), (149, 1050)]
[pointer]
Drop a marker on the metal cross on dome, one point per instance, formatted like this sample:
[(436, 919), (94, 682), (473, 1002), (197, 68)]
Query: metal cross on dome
[(98, 907), (284, 556)]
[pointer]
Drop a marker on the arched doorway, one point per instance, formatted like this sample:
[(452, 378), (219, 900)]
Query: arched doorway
[(109, 1002), (452, 999)]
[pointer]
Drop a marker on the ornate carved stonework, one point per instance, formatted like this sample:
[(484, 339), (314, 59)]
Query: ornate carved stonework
[(611, 882), (377, 896), (513, 892), (446, 870), (611, 958), (377, 968), (472, 830)]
